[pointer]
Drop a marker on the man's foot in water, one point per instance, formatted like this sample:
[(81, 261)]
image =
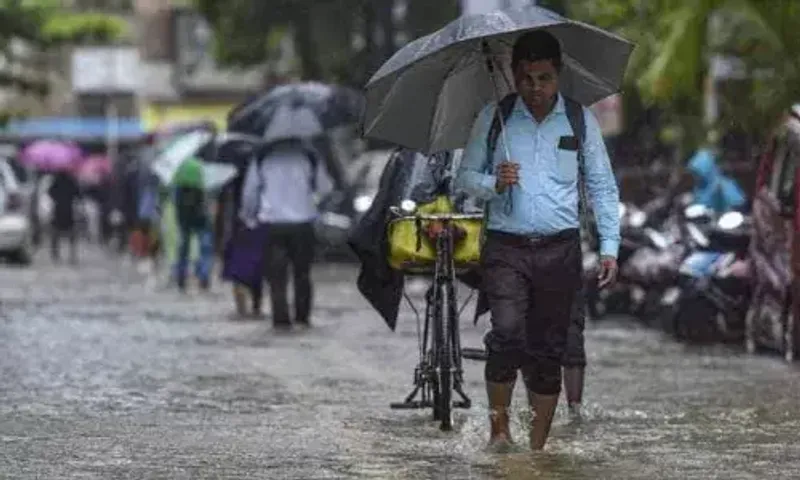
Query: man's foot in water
[(575, 412), (501, 445)]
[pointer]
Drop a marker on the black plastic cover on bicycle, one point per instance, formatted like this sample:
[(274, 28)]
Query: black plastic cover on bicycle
[(407, 176)]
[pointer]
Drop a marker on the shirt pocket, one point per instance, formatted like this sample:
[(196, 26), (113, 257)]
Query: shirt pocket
[(565, 168)]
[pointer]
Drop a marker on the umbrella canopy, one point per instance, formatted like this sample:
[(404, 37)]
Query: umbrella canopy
[(236, 148), (332, 105), (426, 97), (170, 158), (52, 155), (94, 169), (184, 149), (289, 123), (216, 175)]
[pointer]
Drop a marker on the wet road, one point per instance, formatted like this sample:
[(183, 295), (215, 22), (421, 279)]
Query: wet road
[(106, 377)]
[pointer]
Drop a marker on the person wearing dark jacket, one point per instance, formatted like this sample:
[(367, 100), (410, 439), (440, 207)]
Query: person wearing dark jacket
[(64, 192), (380, 285)]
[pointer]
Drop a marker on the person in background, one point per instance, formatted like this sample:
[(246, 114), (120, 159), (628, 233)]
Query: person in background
[(573, 363), (280, 192), (243, 253), (531, 260), (146, 238), (64, 192), (194, 220), (712, 188)]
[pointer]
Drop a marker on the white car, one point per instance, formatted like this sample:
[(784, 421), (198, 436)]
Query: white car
[(15, 225)]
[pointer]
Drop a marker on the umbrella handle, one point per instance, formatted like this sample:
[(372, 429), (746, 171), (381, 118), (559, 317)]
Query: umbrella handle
[(490, 66)]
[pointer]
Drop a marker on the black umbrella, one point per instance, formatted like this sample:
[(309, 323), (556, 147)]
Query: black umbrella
[(232, 148), (332, 106)]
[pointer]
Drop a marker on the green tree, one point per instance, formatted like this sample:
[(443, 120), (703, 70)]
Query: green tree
[(249, 32), (335, 40), (424, 16), (768, 39), (676, 40), (558, 6)]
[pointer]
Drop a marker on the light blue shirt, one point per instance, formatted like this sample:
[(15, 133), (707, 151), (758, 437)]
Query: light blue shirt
[(278, 189), (545, 201)]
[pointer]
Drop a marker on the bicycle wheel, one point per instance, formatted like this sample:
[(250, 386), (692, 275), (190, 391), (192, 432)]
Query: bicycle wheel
[(444, 358), (435, 396), (430, 342)]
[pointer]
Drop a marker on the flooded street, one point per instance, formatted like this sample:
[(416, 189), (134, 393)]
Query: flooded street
[(104, 377)]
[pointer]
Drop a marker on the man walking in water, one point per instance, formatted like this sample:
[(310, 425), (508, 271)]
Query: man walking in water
[(531, 260)]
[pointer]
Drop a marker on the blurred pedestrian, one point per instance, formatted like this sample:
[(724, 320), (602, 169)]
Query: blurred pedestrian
[(280, 192), (573, 363), (64, 192), (243, 253), (531, 259), (146, 237), (194, 221)]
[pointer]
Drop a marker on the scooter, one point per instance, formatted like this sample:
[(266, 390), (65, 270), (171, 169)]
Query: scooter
[(710, 300), (654, 253), (628, 292)]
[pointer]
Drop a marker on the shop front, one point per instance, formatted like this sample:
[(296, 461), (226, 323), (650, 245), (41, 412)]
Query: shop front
[(154, 115)]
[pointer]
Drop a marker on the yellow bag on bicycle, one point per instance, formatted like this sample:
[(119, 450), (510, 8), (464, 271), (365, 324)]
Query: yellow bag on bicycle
[(411, 248)]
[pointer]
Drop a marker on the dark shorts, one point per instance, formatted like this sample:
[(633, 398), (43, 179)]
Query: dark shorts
[(530, 285)]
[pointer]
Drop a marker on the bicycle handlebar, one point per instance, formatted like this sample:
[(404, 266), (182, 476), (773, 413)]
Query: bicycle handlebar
[(437, 216)]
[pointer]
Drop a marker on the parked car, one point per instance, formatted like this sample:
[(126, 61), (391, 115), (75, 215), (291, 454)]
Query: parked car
[(15, 225), (775, 246)]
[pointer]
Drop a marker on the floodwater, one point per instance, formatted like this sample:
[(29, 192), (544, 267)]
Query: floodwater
[(106, 376)]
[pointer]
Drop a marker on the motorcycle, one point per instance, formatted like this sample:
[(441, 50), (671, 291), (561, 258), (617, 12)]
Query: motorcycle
[(617, 299), (647, 255), (709, 302), (653, 270)]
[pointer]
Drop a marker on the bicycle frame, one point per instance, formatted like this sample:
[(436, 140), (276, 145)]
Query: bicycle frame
[(440, 370)]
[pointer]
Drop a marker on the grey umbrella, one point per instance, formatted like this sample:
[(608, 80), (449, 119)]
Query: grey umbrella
[(427, 95), (289, 122)]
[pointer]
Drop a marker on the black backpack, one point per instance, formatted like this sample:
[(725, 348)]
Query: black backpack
[(191, 207), (577, 121)]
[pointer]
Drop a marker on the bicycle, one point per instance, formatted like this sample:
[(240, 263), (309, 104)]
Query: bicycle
[(439, 372)]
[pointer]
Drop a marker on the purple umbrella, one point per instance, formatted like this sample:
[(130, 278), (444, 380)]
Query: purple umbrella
[(52, 155)]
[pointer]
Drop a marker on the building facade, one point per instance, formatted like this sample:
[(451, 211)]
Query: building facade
[(184, 82)]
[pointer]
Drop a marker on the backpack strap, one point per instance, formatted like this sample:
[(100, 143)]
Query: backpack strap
[(577, 121)]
